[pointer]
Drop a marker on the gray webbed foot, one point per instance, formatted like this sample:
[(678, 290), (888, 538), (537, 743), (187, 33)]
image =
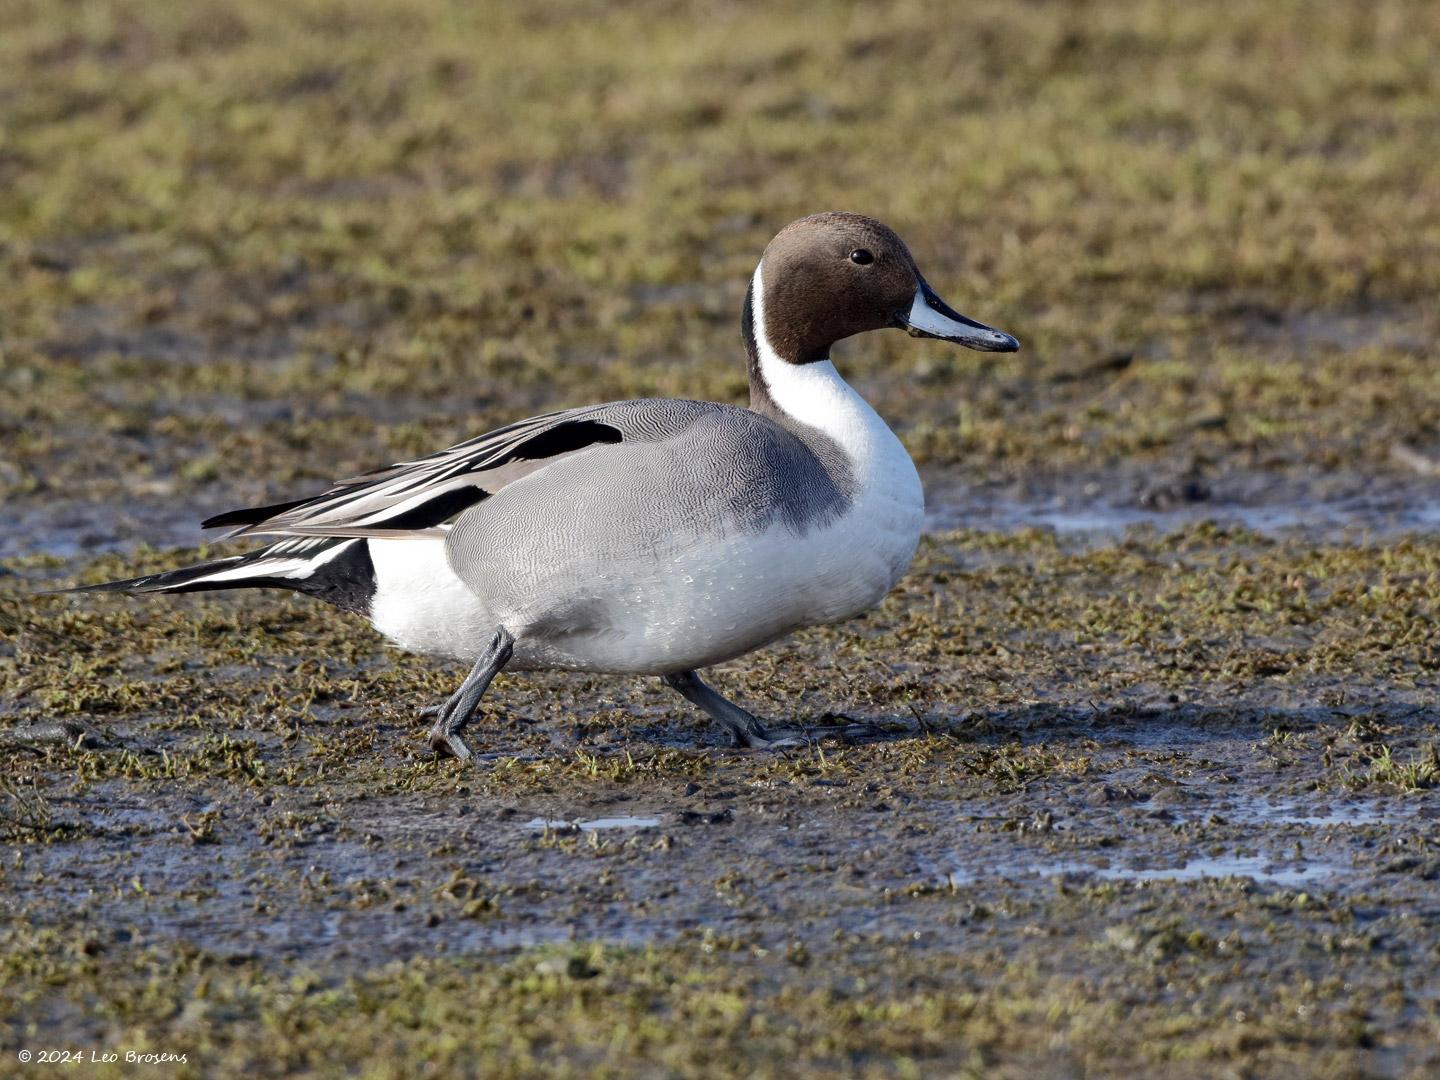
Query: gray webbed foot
[(762, 738), (789, 737), (745, 727), (448, 744)]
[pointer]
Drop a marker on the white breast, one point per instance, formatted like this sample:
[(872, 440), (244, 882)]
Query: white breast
[(876, 540)]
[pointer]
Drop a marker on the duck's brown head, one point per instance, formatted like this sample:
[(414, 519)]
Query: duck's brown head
[(830, 276)]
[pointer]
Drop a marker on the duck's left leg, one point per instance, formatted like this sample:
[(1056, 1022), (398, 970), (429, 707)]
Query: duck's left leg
[(745, 728), (463, 704)]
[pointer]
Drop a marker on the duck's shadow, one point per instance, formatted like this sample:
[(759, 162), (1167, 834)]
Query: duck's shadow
[(1174, 727)]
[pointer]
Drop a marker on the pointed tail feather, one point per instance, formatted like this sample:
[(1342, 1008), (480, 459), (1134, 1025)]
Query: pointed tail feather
[(337, 571), (186, 579)]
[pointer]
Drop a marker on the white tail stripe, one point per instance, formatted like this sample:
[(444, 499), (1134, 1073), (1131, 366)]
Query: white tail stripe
[(277, 568)]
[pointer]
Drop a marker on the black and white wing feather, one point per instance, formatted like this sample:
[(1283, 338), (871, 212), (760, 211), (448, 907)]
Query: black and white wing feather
[(413, 498)]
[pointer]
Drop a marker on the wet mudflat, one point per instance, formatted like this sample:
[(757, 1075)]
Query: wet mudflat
[(1152, 788), (1168, 798)]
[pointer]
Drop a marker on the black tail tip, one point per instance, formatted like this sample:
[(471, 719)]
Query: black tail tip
[(129, 585)]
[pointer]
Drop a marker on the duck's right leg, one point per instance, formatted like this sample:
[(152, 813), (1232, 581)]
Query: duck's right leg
[(463, 704)]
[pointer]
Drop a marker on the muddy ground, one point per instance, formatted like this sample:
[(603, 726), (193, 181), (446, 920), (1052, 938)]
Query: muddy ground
[(1161, 800), (1152, 780)]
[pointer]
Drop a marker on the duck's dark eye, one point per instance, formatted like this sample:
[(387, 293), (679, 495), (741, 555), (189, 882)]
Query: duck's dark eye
[(861, 257)]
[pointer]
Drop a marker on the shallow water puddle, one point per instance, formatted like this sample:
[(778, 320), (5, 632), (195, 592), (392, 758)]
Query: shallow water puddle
[(1257, 867), (70, 529), (1215, 868), (1354, 814), (594, 824), (1096, 521)]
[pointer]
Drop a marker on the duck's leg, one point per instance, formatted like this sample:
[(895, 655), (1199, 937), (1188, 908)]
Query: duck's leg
[(745, 728), (456, 713)]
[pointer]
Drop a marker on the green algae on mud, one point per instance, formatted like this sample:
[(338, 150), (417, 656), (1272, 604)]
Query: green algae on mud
[(1168, 801), (274, 238), (720, 1007), (1160, 802)]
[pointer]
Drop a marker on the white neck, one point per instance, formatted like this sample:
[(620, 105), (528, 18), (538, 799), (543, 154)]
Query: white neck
[(814, 394), (889, 501)]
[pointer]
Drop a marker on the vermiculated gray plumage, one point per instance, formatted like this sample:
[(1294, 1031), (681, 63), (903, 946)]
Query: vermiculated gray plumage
[(755, 466)]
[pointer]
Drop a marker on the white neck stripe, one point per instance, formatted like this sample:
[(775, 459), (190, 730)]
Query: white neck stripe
[(814, 394)]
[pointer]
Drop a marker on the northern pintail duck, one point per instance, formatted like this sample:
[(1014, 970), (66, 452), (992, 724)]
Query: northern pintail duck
[(648, 537)]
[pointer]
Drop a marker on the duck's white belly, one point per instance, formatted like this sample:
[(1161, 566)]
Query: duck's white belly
[(421, 606)]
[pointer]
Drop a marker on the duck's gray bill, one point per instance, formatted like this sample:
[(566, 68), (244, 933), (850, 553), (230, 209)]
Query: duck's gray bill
[(931, 317)]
